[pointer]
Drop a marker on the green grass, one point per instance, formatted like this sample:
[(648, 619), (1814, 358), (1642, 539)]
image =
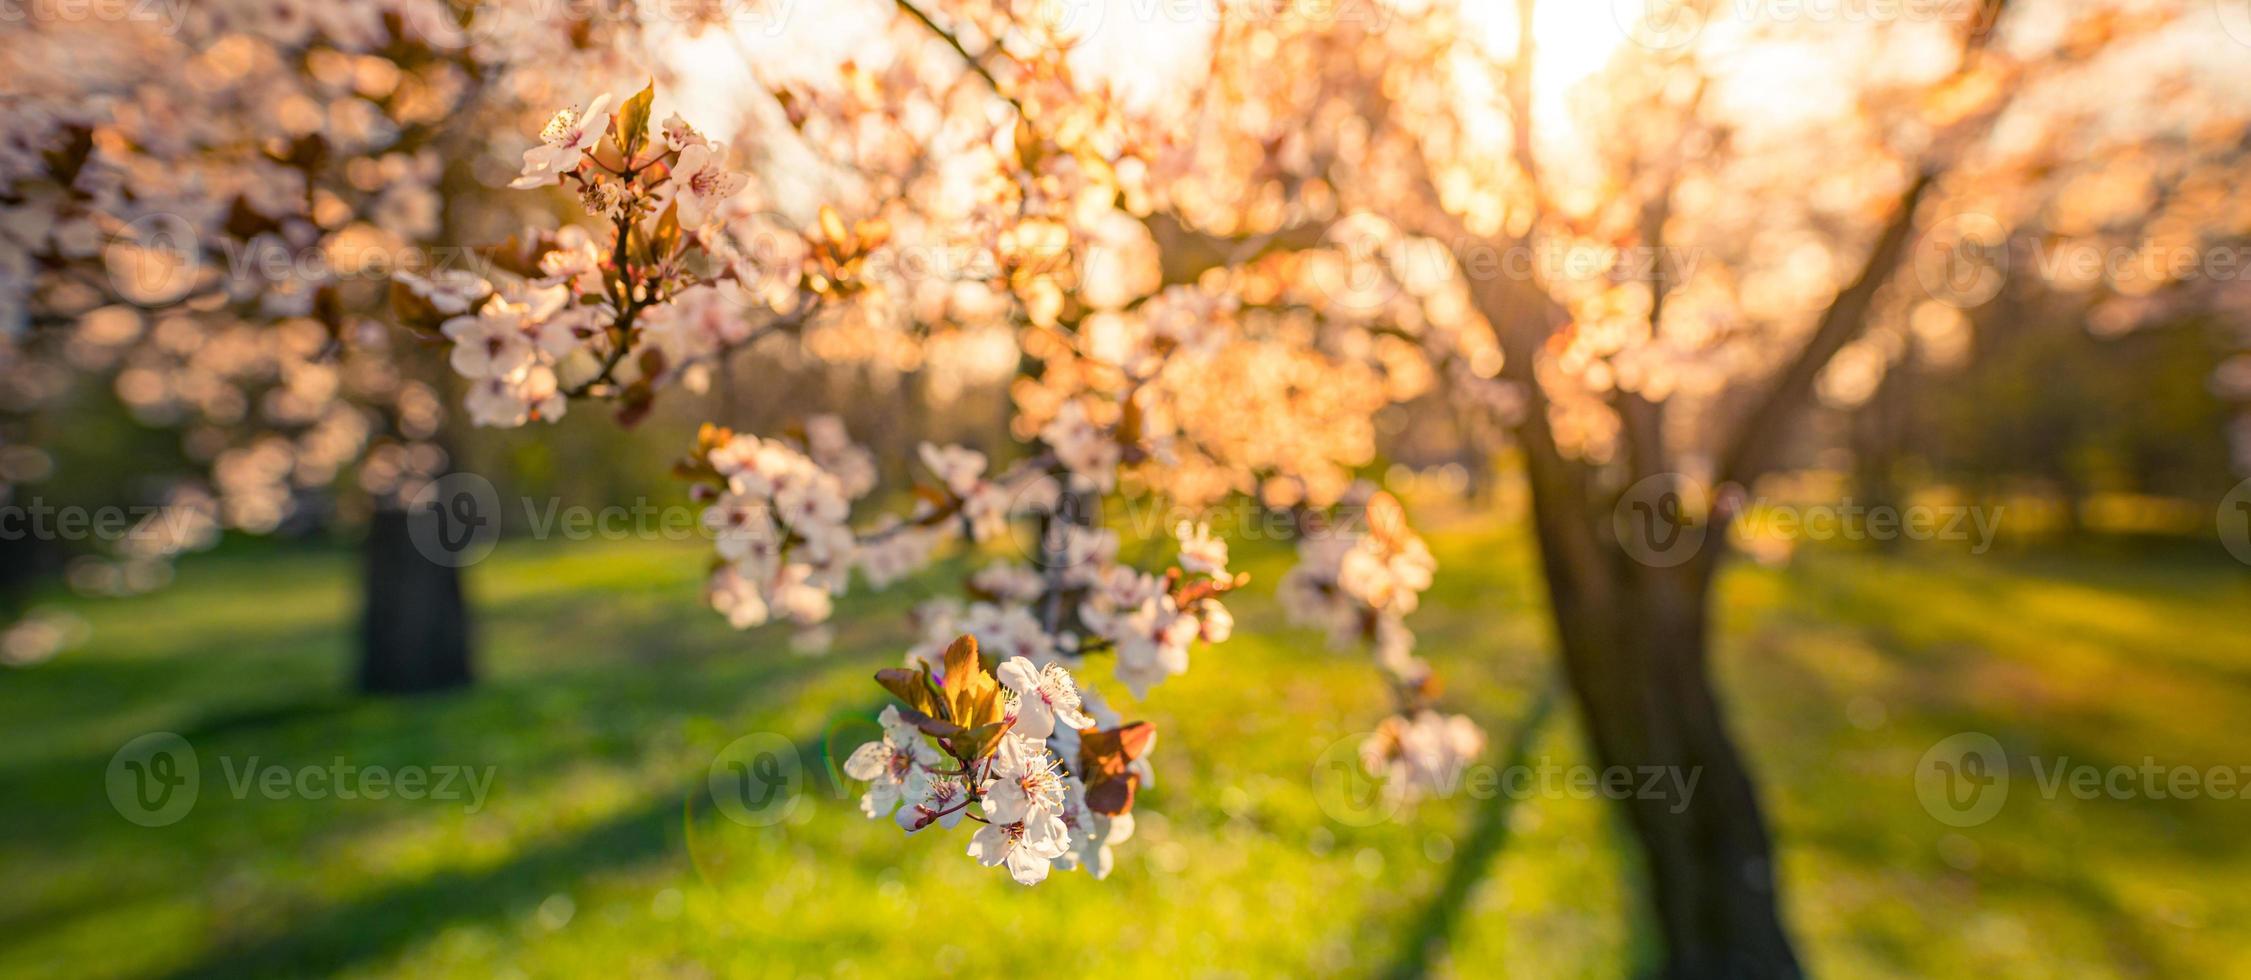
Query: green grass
[(607, 690)]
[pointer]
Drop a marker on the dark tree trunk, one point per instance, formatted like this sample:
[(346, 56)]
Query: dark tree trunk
[(24, 560), (1634, 639), (1878, 432), (1639, 671), (414, 624)]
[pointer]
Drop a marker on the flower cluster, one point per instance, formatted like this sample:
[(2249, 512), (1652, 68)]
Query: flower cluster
[(198, 213), (1421, 753), (1149, 621), (1124, 386), (655, 296), (1011, 747), (1360, 582), (778, 520)]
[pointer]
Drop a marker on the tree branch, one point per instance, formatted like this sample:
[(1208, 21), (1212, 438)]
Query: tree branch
[(1752, 451)]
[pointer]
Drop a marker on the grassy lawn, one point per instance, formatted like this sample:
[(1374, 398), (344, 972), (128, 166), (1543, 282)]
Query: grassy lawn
[(608, 690)]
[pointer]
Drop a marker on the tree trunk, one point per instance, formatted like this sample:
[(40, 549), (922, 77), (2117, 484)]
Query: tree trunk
[(414, 624), (1634, 640), (1878, 433)]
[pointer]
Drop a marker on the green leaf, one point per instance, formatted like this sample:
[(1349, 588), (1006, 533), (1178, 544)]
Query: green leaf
[(631, 131)]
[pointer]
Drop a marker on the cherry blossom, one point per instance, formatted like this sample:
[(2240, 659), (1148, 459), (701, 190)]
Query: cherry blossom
[(1045, 697), (703, 182), (1200, 553), (1028, 848), (1422, 753), (564, 143), (897, 767)]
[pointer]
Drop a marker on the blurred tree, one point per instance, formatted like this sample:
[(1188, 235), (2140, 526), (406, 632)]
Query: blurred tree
[(1644, 262), (206, 205)]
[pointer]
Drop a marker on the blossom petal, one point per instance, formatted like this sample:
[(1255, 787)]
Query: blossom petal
[(868, 761)]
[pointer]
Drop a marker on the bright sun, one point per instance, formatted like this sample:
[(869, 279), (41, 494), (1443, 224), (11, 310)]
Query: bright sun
[(1571, 41)]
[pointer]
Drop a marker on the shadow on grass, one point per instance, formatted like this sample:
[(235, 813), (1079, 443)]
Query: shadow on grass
[(1441, 917), (390, 920)]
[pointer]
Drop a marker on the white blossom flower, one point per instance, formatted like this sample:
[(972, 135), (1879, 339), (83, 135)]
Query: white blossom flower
[(1028, 848), (1085, 553), (895, 551), (986, 510), (810, 498), (510, 400), (801, 596), (897, 767), (450, 291), (737, 596), (959, 468), (1088, 451), (1422, 754), (1218, 623), (1093, 834), (1026, 782), (1144, 625), (564, 143), (832, 448), (678, 135), (703, 182), (576, 260), (566, 332), (1200, 553), (1045, 697), (490, 344), (742, 529), (500, 339), (943, 802)]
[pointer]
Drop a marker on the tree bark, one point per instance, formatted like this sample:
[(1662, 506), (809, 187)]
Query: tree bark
[(414, 623), (1635, 641)]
